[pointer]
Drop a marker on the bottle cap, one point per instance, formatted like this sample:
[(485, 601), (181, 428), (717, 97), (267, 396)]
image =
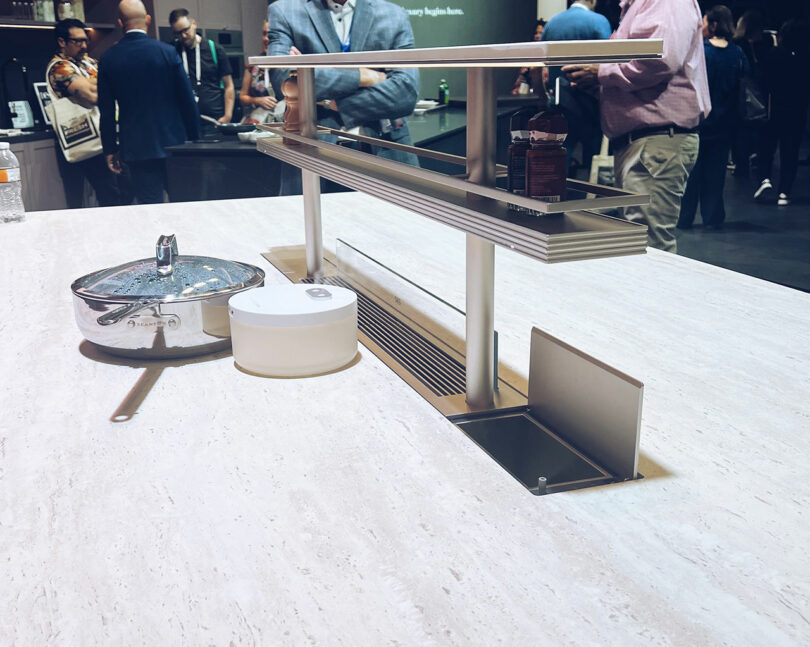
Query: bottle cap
[(548, 126)]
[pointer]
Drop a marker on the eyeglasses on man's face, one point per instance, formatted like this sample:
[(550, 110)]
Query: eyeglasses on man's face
[(185, 30)]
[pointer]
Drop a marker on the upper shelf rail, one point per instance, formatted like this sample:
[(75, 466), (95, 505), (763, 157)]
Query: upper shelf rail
[(502, 55)]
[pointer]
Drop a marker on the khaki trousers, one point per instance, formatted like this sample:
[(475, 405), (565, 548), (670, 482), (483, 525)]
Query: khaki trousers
[(658, 166)]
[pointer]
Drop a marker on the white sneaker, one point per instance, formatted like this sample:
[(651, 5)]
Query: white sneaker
[(783, 200), (763, 193)]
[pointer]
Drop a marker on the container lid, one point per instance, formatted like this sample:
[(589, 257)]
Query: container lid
[(519, 124), (295, 305), (4, 146), (548, 126), (168, 277)]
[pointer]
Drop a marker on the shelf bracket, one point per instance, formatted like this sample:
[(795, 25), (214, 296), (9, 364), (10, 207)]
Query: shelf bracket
[(311, 182)]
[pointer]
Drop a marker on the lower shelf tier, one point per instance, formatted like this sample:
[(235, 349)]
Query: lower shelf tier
[(569, 236)]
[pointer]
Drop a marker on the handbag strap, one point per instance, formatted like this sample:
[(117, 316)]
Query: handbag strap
[(216, 62), (51, 93)]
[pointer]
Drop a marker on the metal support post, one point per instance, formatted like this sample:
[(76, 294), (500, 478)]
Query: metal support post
[(481, 144), (311, 182)]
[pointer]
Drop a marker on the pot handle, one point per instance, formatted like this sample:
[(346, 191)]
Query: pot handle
[(165, 251), (114, 316)]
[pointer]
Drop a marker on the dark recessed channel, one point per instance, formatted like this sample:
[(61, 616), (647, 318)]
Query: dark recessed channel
[(528, 451)]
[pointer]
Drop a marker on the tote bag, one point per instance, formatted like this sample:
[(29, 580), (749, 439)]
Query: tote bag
[(753, 100), (77, 128)]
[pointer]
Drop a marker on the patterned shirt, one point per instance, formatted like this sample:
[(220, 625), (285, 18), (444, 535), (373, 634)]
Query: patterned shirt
[(259, 86), (657, 92), (65, 70)]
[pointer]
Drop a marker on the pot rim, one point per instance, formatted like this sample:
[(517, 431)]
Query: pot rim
[(110, 297)]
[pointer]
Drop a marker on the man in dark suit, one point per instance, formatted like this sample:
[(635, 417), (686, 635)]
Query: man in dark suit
[(155, 103), (373, 100)]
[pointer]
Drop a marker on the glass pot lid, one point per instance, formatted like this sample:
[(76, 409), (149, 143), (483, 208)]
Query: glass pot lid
[(168, 277)]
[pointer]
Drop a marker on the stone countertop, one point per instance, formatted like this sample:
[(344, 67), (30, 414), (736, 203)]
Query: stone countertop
[(344, 510)]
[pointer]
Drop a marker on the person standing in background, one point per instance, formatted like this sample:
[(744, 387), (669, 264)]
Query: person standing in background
[(725, 65), (155, 103), (788, 85), (257, 95), (208, 69), (72, 74), (581, 108), (532, 80), (651, 110), (751, 38), (374, 101)]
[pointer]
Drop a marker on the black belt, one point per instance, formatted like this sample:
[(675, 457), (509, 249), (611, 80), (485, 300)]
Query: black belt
[(617, 143)]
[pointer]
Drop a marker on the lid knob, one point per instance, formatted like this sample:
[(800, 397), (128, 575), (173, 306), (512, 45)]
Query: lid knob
[(165, 251)]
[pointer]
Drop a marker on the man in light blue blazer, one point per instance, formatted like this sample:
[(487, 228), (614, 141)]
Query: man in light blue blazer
[(374, 100)]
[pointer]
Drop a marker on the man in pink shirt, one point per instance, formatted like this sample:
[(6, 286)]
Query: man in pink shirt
[(651, 109)]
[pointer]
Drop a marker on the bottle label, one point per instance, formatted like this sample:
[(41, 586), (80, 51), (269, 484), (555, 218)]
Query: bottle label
[(519, 134), (9, 175), (516, 178), (547, 138), (545, 175)]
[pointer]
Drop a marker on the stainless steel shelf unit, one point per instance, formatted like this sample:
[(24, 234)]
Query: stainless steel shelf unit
[(473, 204)]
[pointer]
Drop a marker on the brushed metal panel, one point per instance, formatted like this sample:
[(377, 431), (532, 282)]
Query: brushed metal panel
[(586, 402)]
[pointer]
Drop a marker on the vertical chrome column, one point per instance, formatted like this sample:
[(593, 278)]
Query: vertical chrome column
[(311, 182), (481, 143)]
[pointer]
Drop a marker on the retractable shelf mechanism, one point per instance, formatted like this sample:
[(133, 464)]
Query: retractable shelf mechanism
[(561, 231)]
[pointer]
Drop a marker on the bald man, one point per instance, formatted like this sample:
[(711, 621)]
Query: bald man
[(156, 107)]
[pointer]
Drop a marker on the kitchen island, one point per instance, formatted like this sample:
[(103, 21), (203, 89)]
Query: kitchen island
[(226, 509)]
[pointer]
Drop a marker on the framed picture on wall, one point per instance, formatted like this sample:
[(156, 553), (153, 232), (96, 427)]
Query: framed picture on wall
[(44, 99)]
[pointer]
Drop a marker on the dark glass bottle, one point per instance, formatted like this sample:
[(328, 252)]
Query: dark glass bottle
[(519, 129), (444, 93), (546, 159)]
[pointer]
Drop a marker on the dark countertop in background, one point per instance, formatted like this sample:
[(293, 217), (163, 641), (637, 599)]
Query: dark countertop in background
[(28, 136), (227, 168), (228, 145), (425, 129)]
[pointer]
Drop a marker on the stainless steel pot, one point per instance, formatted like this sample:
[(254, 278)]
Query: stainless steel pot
[(167, 306)]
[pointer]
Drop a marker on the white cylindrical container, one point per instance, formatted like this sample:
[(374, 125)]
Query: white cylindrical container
[(293, 330)]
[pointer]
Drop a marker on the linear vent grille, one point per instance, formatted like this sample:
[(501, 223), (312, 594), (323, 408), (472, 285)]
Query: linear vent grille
[(425, 361)]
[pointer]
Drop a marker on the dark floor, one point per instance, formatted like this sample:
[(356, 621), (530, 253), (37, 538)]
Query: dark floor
[(766, 241)]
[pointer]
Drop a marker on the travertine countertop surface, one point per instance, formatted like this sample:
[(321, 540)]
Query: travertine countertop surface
[(344, 510)]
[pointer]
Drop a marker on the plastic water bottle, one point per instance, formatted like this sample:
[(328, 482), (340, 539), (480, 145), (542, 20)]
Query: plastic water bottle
[(11, 204)]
